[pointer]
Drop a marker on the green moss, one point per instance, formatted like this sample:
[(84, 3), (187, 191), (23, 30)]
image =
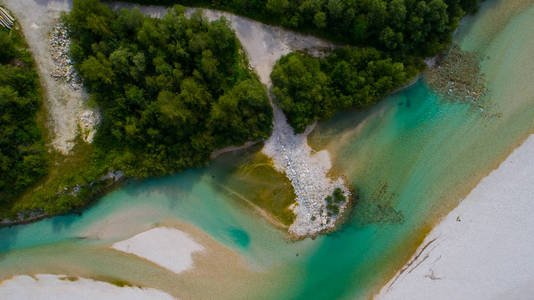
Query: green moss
[(339, 197), (256, 180), (53, 194)]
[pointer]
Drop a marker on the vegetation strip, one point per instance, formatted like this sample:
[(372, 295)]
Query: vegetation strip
[(23, 159)]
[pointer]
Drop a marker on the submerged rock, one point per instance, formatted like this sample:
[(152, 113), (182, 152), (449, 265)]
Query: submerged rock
[(457, 76)]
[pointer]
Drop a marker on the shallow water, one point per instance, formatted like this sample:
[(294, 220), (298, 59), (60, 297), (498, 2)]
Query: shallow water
[(412, 158)]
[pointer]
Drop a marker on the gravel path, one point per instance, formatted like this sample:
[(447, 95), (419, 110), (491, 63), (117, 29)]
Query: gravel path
[(66, 104)]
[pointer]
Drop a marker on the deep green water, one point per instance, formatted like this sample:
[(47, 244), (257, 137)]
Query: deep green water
[(412, 158)]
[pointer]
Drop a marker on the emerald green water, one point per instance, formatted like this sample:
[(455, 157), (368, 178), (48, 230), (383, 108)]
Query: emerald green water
[(412, 158)]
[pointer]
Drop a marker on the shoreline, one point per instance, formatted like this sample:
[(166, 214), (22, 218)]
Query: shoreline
[(465, 230), (7, 222), (432, 224), (41, 286)]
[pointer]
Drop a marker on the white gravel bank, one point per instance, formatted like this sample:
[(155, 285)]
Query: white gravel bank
[(264, 45), (165, 246), (482, 249), (58, 287)]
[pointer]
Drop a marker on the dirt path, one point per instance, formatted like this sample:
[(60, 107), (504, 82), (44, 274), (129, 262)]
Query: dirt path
[(65, 105)]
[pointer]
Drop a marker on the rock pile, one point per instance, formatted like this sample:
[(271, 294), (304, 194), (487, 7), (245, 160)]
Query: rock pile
[(307, 172), (88, 121), (64, 73), (457, 76), (59, 50)]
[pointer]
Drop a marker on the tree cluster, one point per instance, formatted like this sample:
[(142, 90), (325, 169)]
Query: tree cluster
[(22, 151), (171, 90), (310, 89), (394, 34), (401, 26)]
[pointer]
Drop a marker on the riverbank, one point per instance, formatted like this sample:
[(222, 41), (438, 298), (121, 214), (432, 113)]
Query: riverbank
[(47, 286), (482, 248)]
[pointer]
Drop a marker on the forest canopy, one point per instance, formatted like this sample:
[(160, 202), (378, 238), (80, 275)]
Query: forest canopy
[(391, 35), (22, 150), (309, 89), (171, 90), (420, 27)]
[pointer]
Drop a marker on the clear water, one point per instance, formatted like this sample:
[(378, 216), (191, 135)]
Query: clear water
[(412, 158)]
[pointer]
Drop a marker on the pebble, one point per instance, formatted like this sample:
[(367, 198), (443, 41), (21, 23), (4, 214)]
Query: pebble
[(60, 50), (307, 172)]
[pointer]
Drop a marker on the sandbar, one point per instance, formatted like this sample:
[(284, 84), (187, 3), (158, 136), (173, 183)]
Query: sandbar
[(165, 246), (483, 248), (58, 287)]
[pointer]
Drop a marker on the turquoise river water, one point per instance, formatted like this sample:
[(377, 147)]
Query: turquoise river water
[(412, 158)]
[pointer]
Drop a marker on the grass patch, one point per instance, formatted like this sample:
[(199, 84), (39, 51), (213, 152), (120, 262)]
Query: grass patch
[(253, 176), (55, 194)]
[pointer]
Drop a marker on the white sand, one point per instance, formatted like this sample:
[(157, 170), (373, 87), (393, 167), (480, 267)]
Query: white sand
[(47, 287), (164, 246), (488, 253)]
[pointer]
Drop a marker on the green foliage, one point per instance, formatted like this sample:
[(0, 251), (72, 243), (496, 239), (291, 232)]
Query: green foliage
[(309, 89), (333, 201), (403, 26), (171, 90), (301, 89), (338, 196), (22, 152)]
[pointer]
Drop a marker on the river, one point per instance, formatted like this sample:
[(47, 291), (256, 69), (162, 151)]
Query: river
[(412, 158)]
